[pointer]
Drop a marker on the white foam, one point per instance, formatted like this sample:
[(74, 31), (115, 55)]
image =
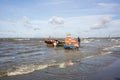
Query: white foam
[(62, 65), (92, 56), (105, 53), (113, 39), (108, 48), (22, 39), (40, 67), (25, 69), (21, 70), (87, 41), (118, 46)]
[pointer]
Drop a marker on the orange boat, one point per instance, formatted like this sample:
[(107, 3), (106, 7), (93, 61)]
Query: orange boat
[(70, 43)]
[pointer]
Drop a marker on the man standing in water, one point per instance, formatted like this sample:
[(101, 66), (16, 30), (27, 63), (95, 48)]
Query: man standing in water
[(79, 41)]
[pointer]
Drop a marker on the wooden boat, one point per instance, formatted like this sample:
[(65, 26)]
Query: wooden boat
[(54, 43)]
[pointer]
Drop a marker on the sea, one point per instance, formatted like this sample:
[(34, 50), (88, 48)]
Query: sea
[(20, 56)]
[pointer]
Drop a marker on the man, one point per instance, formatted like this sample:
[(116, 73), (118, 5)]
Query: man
[(79, 41)]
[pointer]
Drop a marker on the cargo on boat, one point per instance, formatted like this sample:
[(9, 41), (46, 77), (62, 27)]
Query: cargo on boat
[(70, 43)]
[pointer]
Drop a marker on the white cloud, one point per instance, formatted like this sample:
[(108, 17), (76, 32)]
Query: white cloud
[(26, 21), (57, 21), (33, 24), (106, 20), (56, 2), (75, 25), (10, 32), (97, 26), (108, 4), (103, 23), (36, 29)]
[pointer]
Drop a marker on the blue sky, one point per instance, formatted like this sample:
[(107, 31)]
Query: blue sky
[(56, 18)]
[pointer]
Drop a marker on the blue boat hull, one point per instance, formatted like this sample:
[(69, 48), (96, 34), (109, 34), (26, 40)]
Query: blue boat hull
[(69, 47)]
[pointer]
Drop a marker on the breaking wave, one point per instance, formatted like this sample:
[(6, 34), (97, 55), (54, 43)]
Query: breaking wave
[(25, 69), (87, 40), (22, 39), (24, 51), (108, 48), (92, 56)]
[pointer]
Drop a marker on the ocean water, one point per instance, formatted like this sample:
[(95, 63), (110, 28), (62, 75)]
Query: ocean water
[(24, 56)]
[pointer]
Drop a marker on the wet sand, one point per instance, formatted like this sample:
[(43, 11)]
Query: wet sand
[(96, 71)]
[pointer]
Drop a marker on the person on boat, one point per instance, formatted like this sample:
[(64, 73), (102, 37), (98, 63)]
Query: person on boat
[(55, 43), (79, 41)]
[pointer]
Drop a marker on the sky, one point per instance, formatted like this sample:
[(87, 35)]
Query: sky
[(56, 18)]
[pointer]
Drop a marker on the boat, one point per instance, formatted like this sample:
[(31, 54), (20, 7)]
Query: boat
[(69, 47), (70, 43), (54, 43)]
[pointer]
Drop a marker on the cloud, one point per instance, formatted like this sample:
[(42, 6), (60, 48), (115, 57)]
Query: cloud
[(107, 4), (36, 29), (103, 23), (10, 32), (56, 2), (12, 21), (96, 26), (33, 24), (56, 20), (110, 6), (105, 20), (26, 21)]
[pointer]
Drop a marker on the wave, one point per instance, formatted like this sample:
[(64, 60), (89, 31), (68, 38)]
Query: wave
[(111, 47), (25, 69), (92, 56), (29, 51), (22, 39), (87, 40), (114, 40)]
